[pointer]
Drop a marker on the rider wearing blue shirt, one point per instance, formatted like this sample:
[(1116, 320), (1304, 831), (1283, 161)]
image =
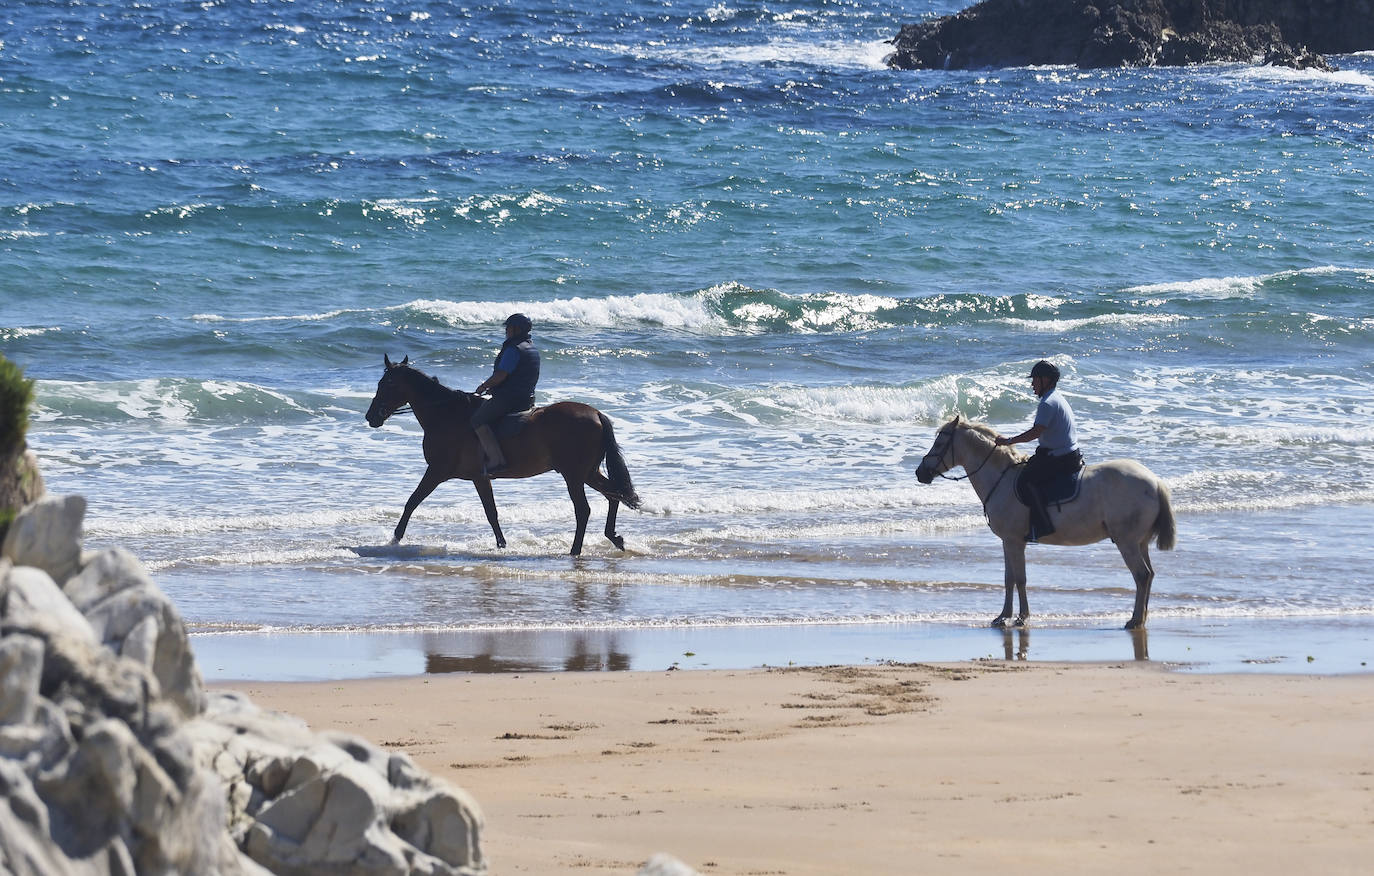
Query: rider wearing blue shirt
[(1057, 452), (511, 385)]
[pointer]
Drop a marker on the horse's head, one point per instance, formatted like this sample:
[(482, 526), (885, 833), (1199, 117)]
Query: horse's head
[(938, 459), (391, 396)]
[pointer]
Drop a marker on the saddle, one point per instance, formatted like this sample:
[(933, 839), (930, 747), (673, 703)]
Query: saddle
[(1058, 490), (512, 424)]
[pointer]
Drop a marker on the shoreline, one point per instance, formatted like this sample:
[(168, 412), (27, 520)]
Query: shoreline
[(1306, 645), (969, 767)]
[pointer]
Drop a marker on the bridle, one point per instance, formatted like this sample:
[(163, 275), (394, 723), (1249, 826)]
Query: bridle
[(947, 435), (404, 407), (409, 407)]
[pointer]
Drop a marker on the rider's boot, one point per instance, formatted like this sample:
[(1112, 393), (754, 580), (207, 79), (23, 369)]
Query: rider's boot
[(491, 450)]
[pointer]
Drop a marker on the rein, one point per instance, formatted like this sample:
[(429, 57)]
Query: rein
[(968, 474), (454, 400)]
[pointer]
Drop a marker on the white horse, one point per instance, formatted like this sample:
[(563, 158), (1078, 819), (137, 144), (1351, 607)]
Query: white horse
[(1121, 500)]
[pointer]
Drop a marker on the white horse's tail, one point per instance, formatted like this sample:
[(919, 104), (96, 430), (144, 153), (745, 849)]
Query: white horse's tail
[(1166, 530)]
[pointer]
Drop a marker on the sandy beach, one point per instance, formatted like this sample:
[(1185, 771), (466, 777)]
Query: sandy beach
[(976, 767)]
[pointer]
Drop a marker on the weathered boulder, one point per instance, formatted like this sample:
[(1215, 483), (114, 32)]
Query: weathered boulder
[(114, 760), (1134, 33), (97, 774), (130, 615), (304, 803), (47, 535)]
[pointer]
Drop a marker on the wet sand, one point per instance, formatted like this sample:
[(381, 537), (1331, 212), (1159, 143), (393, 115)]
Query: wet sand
[(976, 767)]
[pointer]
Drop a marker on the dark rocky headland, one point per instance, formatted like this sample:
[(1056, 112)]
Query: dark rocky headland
[(1137, 33)]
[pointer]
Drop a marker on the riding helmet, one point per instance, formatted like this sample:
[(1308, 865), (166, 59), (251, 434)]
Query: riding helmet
[(520, 321), (1045, 369)]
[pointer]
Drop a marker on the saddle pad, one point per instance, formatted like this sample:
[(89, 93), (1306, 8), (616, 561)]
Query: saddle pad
[(511, 424), (1059, 491)]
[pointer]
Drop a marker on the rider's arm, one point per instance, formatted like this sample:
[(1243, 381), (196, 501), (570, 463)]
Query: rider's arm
[(1029, 435), (504, 366), (497, 378)]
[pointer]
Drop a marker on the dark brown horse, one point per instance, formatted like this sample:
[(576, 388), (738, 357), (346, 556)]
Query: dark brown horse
[(568, 437)]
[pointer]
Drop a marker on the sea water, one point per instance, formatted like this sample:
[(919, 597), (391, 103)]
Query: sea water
[(776, 264)]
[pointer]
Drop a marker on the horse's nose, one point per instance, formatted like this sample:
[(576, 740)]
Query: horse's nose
[(924, 474)]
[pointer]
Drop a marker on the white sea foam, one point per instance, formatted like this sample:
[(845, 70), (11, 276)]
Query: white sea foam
[(129, 526), (17, 332), (865, 404), (497, 209), (1239, 287), (412, 211), (1277, 502), (299, 317), (155, 398), (1111, 320), (181, 211), (253, 558), (1271, 73), (835, 54), (669, 310)]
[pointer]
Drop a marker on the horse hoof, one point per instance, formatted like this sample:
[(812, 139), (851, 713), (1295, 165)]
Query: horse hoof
[(999, 622), (1019, 622), (501, 543), (618, 541)]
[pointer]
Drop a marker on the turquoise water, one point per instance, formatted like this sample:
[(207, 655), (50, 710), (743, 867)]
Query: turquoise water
[(778, 265)]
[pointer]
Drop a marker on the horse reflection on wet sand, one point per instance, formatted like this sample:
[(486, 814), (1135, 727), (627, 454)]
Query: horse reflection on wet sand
[(1120, 500), (567, 437)]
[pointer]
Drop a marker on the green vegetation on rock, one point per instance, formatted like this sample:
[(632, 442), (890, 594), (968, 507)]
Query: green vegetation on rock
[(16, 394)]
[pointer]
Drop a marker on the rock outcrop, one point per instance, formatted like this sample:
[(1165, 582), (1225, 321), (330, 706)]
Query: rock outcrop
[(114, 759), (1136, 33)]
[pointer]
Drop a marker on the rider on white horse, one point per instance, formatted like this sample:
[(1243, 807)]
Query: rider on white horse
[(1057, 453)]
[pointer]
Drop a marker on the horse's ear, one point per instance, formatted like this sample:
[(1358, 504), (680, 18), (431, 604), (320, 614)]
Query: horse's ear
[(406, 360), (386, 360)]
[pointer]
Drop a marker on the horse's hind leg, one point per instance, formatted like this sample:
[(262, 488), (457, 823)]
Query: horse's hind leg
[(610, 524), (1137, 557), (488, 498), (598, 482), (581, 508)]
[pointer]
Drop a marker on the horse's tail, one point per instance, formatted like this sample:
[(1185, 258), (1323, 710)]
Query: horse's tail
[(616, 472), (1166, 530)]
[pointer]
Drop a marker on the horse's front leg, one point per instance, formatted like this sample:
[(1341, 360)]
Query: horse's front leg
[(488, 498), (426, 486), (1014, 581)]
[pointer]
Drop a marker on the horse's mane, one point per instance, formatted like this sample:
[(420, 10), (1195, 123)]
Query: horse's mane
[(989, 433), (469, 397)]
